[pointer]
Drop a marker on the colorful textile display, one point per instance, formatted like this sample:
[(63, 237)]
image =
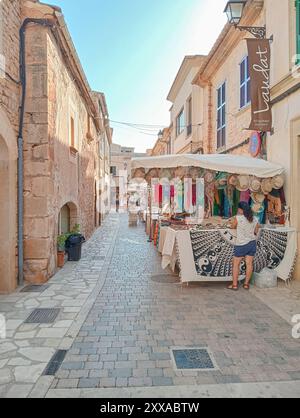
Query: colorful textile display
[(166, 195), (210, 195), (200, 202), (188, 195), (178, 196), (245, 196), (259, 211)]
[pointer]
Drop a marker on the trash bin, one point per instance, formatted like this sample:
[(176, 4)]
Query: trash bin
[(73, 246)]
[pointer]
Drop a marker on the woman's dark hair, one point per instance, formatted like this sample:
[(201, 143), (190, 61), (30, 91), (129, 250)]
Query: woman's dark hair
[(248, 213)]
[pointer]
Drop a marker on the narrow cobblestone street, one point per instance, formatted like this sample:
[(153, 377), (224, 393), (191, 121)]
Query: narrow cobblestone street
[(135, 321), (118, 324)]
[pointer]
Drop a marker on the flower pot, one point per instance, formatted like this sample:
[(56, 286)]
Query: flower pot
[(60, 259)]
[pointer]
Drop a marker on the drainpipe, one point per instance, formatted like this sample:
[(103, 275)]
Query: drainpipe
[(42, 22)]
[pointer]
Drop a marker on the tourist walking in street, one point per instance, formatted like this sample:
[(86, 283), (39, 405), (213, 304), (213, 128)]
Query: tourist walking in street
[(247, 227)]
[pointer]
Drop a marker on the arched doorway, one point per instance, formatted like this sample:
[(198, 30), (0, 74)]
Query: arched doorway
[(67, 218), (8, 206)]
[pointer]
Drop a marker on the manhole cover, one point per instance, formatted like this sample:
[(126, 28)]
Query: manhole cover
[(193, 359), (165, 278), (55, 363), (35, 289), (42, 316)]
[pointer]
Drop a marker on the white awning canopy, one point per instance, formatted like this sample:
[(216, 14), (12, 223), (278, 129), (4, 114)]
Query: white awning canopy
[(232, 164)]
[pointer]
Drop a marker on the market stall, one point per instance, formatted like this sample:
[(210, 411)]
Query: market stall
[(196, 195)]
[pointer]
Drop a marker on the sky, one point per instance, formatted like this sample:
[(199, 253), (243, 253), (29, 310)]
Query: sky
[(132, 49)]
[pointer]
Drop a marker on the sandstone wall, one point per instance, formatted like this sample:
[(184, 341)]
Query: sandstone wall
[(55, 175), (10, 22), (237, 118)]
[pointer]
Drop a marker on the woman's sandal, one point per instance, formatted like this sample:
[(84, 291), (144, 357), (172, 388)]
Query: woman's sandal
[(246, 286), (233, 288)]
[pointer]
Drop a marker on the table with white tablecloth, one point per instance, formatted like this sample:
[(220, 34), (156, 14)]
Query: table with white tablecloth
[(205, 255)]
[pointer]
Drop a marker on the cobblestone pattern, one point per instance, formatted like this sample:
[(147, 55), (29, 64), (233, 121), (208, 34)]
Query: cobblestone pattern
[(127, 337), (28, 348)]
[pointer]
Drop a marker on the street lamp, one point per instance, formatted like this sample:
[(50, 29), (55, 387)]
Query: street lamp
[(234, 10)]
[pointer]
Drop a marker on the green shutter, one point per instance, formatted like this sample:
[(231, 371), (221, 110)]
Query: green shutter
[(298, 29)]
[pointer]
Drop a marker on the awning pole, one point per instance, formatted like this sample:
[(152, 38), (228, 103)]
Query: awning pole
[(150, 195)]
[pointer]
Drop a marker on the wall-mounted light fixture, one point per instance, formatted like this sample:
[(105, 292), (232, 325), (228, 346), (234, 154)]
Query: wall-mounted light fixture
[(234, 10)]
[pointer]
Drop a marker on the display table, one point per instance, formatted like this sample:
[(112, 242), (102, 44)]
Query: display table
[(206, 255)]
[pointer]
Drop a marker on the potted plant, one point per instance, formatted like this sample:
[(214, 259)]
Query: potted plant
[(61, 241)]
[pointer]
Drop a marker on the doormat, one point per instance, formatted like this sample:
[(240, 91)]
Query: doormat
[(35, 288), (193, 359), (55, 363), (42, 316), (165, 278)]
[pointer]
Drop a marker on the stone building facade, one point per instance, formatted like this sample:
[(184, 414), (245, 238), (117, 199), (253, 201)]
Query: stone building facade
[(10, 22), (66, 126), (224, 79), (120, 170), (163, 145), (187, 108), (283, 145)]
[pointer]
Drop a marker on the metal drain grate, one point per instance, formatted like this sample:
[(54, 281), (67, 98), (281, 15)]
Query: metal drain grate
[(165, 278), (42, 316), (55, 363), (35, 289), (193, 359)]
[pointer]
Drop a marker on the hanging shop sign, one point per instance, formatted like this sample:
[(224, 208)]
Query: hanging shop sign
[(255, 144), (259, 62)]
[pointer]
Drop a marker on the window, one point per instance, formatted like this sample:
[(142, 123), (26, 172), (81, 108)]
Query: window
[(113, 171), (72, 133), (190, 117), (244, 83), (298, 30), (221, 110), (180, 123)]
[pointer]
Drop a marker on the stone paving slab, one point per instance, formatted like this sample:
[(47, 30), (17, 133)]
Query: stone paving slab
[(28, 348), (284, 300), (135, 322), (119, 326), (246, 390)]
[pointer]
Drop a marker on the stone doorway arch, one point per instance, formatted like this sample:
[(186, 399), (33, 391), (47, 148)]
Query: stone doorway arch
[(67, 218), (8, 206)]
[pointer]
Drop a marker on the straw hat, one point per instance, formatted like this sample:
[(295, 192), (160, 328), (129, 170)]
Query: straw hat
[(267, 186), (180, 172), (257, 207), (152, 174), (167, 174), (195, 173), (278, 182), (255, 185), (233, 180), (139, 173), (243, 183), (209, 177), (258, 198)]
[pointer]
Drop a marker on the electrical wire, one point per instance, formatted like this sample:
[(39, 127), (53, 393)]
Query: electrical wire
[(148, 128)]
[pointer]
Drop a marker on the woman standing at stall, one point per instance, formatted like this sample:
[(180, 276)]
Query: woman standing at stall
[(246, 245)]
